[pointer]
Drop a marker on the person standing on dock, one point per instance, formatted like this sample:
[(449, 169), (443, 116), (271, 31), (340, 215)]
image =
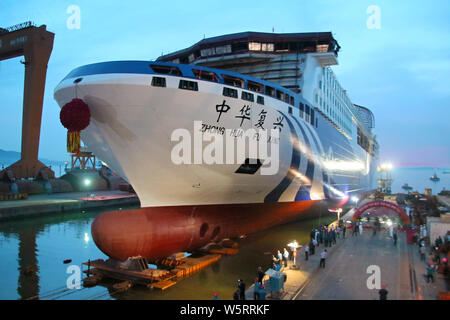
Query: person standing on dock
[(241, 287), (260, 274), (256, 289), (355, 229), (423, 251), (311, 247), (279, 256), (333, 236), (344, 229), (323, 257), (430, 272), (395, 238), (360, 228), (306, 252), (313, 234), (383, 292), (285, 257)]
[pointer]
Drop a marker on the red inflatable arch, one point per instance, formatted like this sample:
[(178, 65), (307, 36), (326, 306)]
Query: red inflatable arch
[(379, 203)]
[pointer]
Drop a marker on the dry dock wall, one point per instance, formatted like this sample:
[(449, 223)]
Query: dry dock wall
[(55, 207)]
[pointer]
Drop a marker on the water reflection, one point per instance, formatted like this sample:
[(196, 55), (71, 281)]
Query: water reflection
[(28, 285), (43, 244)]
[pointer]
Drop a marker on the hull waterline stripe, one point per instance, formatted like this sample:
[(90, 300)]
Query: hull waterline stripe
[(310, 165), (324, 173), (276, 193)]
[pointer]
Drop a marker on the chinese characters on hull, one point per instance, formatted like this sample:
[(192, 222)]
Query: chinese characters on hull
[(279, 123), (262, 118), (221, 108), (245, 113)]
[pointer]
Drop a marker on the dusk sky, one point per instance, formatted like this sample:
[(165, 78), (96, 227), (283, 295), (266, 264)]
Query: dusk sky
[(400, 71)]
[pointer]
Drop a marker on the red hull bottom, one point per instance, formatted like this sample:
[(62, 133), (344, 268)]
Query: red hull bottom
[(157, 232)]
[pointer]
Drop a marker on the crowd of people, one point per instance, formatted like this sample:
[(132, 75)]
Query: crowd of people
[(327, 236), (322, 236), (434, 259)]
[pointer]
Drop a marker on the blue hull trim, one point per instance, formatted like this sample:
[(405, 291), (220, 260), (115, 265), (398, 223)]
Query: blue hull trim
[(276, 193)]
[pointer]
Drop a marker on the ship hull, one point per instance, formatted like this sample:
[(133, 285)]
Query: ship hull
[(157, 232)]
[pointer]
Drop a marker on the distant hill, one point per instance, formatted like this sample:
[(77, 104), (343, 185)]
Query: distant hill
[(9, 157)]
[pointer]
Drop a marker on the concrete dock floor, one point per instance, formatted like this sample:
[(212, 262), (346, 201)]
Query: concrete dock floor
[(63, 202), (345, 275)]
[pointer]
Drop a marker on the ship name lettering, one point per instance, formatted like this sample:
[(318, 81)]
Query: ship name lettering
[(212, 129)]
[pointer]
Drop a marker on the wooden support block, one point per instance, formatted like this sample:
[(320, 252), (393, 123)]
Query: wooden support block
[(163, 285)]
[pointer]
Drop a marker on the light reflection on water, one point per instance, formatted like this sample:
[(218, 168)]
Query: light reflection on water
[(44, 243)]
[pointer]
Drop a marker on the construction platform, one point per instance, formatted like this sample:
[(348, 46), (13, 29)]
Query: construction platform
[(37, 205), (135, 271)]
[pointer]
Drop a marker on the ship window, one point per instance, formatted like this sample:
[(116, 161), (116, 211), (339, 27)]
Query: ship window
[(260, 99), (205, 75), (247, 96), (322, 48), (188, 85), (254, 46), (253, 86), (208, 52), (290, 110), (215, 232), (240, 46), (267, 47), (203, 229), (302, 109), (306, 113), (250, 166), (229, 92), (223, 49), (312, 116), (158, 82), (270, 91), (282, 47), (233, 81), (317, 123), (166, 70), (287, 98), (280, 95), (292, 101)]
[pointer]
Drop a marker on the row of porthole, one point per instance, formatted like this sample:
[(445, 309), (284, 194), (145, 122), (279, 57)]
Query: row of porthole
[(204, 229)]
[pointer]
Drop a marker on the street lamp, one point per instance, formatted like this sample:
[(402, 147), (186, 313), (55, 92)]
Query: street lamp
[(339, 211), (294, 245), (355, 200)]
